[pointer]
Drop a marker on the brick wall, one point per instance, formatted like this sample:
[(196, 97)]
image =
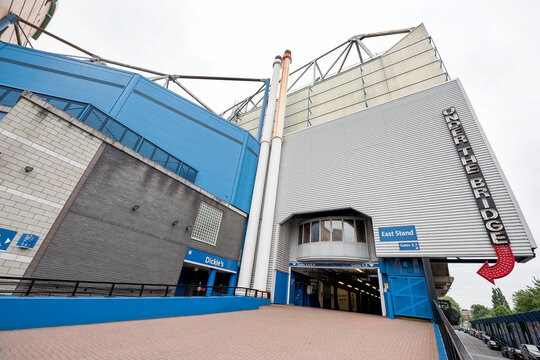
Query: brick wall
[(30, 202)]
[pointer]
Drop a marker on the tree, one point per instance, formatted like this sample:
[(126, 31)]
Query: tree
[(498, 299), (527, 299), (456, 306), (479, 311), (500, 311)]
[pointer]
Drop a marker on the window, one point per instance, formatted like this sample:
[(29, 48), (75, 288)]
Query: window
[(160, 157), (315, 231), (147, 149), (337, 230), (95, 119), (207, 224), (326, 230), (360, 231), (130, 139), (306, 233), (348, 230), (114, 129)]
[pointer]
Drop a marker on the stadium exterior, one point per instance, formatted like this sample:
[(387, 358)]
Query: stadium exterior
[(385, 177)]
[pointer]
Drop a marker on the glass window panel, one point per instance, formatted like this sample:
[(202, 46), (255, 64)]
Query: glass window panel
[(360, 231), (337, 230), (184, 171), (348, 230), (147, 149), (192, 175), (130, 139), (300, 236), (9, 97), (306, 233), (315, 231), (173, 164), (160, 157), (75, 109), (95, 119), (113, 129), (61, 104), (326, 226)]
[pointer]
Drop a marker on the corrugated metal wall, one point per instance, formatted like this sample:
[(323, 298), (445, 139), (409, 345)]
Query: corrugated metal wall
[(410, 65), (396, 162)]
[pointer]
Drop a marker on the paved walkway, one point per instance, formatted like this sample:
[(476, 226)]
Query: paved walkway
[(273, 332), (477, 348)]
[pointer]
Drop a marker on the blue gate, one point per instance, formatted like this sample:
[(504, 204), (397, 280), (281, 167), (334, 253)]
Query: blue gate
[(410, 296)]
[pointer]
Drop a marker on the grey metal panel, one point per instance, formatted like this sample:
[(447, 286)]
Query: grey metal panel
[(396, 163)]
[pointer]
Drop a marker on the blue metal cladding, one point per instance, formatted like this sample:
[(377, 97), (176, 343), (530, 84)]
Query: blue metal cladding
[(224, 154), (407, 293), (280, 288)]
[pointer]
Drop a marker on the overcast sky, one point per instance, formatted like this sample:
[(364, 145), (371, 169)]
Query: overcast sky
[(492, 46)]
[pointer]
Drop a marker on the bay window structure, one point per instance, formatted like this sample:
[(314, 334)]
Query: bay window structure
[(333, 238)]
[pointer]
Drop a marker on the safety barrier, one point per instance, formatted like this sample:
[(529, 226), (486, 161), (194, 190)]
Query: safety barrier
[(29, 286), (455, 350)]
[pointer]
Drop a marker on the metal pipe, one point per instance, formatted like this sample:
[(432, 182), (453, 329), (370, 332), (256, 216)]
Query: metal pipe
[(265, 240), (250, 243), (263, 109), (57, 38)]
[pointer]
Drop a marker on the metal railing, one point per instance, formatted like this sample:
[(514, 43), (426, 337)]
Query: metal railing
[(29, 286), (455, 350)]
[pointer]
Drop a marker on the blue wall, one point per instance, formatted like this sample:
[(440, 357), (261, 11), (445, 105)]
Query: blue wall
[(224, 154), (32, 312)]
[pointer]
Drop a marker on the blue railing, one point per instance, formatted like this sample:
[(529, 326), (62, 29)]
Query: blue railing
[(102, 122)]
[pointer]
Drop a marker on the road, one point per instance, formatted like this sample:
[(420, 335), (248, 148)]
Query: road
[(477, 348)]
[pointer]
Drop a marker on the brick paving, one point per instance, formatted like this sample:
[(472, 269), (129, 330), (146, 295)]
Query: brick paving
[(273, 332)]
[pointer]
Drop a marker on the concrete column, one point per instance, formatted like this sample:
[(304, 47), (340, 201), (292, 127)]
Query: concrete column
[(232, 284), (210, 282)]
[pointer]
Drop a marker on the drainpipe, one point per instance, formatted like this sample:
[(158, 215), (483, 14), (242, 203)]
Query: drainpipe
[(250, 242), (265, 240)]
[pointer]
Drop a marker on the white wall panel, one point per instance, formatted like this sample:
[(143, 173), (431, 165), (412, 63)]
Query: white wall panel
[(396, 163)]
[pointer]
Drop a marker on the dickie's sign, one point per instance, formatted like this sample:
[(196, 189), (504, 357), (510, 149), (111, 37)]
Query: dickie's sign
[(488, 211)]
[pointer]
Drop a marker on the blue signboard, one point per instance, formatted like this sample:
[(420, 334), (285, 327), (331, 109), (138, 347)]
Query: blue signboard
[(6, 238), (213, 261), (409, 245), (398, 233), (334, 265), (27, 241)]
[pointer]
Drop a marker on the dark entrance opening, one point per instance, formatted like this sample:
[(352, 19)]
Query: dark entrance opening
[(192, 281), (355, 290)]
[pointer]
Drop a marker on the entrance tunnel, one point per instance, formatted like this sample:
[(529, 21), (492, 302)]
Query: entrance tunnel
[(355, 290)]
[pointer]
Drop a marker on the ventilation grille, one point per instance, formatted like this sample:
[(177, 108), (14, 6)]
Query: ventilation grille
[(207, 224)]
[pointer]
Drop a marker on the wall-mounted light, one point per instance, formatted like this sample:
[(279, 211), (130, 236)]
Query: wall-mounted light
[(175, 222), (135, 208), (189, 227), (28, 169)]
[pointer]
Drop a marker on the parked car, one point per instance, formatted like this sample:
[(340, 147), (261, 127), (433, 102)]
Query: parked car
[(530, 352), (516, 354), (493, 345), (507, 351), (486, 338)]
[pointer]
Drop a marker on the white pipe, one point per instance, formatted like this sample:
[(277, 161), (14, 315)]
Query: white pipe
[(250, 243), (265, 240)]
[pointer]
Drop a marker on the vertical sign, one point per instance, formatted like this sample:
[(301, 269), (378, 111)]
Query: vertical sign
[(486, 206)]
